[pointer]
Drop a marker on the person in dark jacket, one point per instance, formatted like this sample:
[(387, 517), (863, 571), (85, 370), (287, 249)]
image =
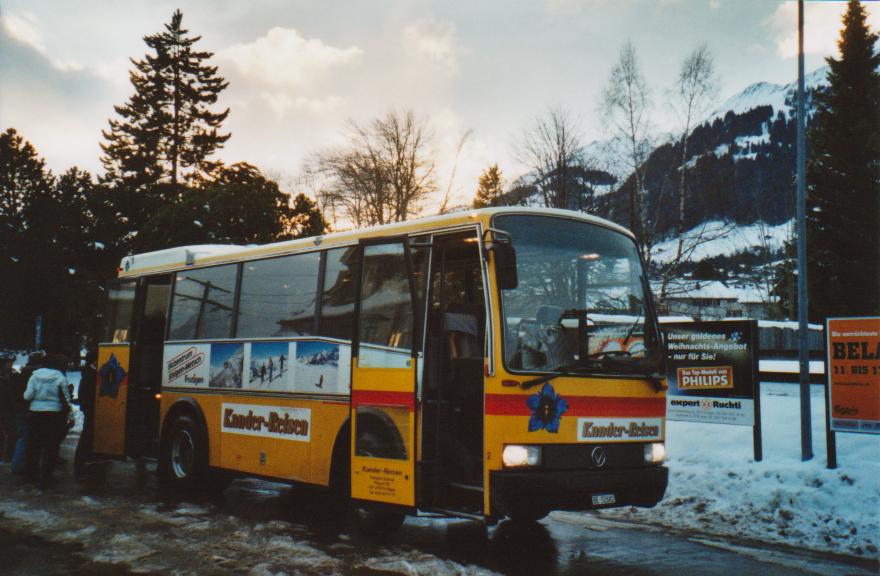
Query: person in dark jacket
[(49, 397), (21, 408), (7, 410), (86, 395)]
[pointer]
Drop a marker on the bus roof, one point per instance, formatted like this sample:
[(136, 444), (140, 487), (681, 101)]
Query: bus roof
[(186, 256)]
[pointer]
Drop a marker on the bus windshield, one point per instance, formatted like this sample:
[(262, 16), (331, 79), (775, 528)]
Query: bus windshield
[(581, 303)]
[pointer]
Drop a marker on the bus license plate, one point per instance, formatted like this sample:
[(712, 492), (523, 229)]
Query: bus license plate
[(603, 499)]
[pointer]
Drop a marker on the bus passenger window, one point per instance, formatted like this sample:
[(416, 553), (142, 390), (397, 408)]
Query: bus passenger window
[(386, 300), (120, 303), (337, 298), (278, 296), (202, 303)]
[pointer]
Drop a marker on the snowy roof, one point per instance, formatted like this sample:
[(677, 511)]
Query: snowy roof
[(753, 295)]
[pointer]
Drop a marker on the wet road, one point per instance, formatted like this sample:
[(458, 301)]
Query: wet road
[(127, 525)]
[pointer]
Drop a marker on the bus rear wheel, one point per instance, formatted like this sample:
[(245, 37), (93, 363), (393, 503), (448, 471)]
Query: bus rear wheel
[(183, 457)]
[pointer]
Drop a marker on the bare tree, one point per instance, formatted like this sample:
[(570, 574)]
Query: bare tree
[(693, 93), (382, 174), (695, 89), (444, 205), (625, 110), (553, 149)]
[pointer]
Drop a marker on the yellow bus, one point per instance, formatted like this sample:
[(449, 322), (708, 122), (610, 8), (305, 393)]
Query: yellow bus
[(498, 362)]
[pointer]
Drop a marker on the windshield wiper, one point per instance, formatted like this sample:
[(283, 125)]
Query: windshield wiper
[(597, 359), (564, 370), (579, 367)]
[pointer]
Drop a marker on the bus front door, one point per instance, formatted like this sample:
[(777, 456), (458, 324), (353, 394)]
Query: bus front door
[(383, 379), (113, 366), (142, 411)]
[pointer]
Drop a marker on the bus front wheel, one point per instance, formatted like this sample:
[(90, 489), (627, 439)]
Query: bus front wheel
[(377, 522)]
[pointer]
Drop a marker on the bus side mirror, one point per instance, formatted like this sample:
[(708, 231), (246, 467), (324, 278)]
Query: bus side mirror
[(505, 265)]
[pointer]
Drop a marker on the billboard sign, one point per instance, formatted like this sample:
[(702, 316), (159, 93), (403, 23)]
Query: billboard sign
[(853, 370), (710, 368)]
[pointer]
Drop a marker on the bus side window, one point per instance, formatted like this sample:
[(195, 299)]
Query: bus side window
[(203, 302), (338, 294), (120, 305), (278, 296)]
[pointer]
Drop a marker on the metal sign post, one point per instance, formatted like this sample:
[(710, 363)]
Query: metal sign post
[(803, 340)]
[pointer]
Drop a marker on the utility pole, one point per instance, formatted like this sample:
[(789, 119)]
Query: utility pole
[(803, 335)]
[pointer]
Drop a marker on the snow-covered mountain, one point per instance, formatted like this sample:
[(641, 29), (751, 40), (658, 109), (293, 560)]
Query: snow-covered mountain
[(781, 97), (740, 163)]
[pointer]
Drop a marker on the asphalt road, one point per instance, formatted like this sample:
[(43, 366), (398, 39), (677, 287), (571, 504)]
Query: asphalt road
[(128, 525)]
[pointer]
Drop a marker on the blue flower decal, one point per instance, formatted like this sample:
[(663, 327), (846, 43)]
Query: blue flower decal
[(112, 373), (547, 409)]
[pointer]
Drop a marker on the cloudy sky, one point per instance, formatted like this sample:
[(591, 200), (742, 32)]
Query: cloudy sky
[(298, 69)]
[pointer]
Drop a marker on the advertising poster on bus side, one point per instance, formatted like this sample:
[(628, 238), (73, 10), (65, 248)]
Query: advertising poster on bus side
[(186, 365), (854, 374), (710, 368)]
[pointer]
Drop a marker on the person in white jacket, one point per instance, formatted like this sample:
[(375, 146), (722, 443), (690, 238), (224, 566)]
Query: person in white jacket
[(49, 397)]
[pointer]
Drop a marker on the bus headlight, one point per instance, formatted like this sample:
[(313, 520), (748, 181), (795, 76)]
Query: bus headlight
[(655, 453), (516, 455)]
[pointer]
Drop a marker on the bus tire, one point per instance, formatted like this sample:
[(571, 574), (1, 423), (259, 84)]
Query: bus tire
[(377, 522), (523, 514), (183, 462)]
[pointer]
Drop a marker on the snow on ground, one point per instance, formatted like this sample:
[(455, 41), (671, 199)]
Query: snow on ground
[(716, 488), (186, 538), (738, 239), (790, 324), (789, 366)]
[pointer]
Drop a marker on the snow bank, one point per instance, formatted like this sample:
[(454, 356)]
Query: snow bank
[(738, 239), (790, 366), (716, 488), (790, 324)]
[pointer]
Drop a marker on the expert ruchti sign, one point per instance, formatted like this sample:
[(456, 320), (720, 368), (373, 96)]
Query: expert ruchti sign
[(711, 370)]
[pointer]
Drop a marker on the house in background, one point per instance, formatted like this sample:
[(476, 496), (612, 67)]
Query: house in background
[(714, 300)]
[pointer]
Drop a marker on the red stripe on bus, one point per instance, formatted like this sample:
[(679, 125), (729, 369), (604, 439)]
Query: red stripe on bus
[(382, 398), (515, 405)]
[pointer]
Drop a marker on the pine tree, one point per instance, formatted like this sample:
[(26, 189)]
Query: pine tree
[(843, 178), (67, 270), (490, 188), (305, 219), (167, 131), (23, 179), (23, 175)]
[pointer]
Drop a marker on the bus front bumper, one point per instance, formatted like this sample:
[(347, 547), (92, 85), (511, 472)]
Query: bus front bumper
[(578, 489)]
